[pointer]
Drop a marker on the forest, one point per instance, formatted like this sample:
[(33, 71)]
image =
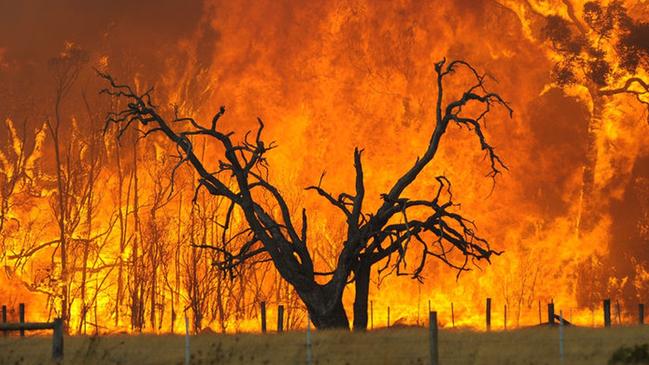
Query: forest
[(347, 160)]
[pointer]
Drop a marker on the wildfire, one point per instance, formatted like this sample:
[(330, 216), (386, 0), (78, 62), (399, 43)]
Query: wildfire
[(325, 78)]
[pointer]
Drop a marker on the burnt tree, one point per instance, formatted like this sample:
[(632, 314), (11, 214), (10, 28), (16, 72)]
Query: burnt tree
[(606, 52), (430, 224)]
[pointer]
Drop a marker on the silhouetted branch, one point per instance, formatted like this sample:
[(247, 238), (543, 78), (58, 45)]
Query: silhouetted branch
[(431, 222)]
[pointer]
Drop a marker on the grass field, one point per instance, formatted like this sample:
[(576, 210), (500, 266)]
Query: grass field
[(394, 346)]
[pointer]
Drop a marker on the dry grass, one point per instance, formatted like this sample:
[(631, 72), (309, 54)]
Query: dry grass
[(394, 346)]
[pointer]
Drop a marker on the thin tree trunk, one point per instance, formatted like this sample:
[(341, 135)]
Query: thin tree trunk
[(122, 233), (137, 315), (194, 286), (54, 130), (153, 247), (176, 291), (86, 248), (89, 213)]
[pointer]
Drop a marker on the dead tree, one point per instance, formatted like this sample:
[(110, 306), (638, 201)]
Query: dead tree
[(65, 68), (401, 224), (19, 171)]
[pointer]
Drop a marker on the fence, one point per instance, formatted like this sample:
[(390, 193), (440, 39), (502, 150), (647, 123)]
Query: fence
[(552, 316), (545, 344), (56, 326), (409, 345)]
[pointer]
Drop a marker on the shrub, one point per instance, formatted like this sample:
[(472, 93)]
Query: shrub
[(638, 354)]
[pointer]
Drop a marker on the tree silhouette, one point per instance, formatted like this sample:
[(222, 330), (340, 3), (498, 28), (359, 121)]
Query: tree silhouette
[(429, 226), (605, 51), (65, 69)]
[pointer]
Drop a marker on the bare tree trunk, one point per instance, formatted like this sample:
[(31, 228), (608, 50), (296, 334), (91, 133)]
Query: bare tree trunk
[(66, 69), (93, 167), (153, 248), (194, 286), (589, 213), (325, 306), (54, 130), (362, 286), (328, 317), (223, 294), (86, 247), (122, 232), (175, 292), (137, 309)]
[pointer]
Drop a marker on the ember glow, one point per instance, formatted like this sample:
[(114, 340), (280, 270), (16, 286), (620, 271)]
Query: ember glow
[(571, 213)]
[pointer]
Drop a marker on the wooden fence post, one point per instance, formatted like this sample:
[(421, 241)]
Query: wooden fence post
[(4, 318), (452, 315), (371, 314), (263, 317), (551, 314), (280, 318), (488, 319), (57, 340), (607, 313), (418, 303), (21, 317), (388, 316), (505, 318), (540, 319), (641, 313), (434, 347), (561, 336)]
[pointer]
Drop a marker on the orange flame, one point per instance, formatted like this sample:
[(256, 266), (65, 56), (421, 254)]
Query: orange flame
[(327, 77)]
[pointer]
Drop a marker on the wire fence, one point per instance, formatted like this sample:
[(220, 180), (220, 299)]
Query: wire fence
[(553, 342)]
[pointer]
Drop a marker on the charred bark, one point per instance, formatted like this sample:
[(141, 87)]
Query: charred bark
[(362, 286), (325, 307)]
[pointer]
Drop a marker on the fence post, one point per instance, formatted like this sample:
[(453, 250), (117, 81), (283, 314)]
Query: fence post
[(309, 356), (452, 315), (371, 314), (263, 317), (540, 319), (505, 318), (607, 313), (280, 318), (4, 317), (551, 314), (434, 348), (21, 316), (57, 340), (488, 314), (561, 336), (618, 312), (641, 313), (388, 316), (418, 302)]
